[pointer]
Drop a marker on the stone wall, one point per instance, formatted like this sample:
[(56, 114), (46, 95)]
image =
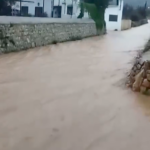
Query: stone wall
[(139, 23), (139, 77), (17, 36)]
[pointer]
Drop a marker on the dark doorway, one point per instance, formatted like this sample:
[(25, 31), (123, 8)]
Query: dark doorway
[(24, 10), (56, 12), (6, 11), (69, 10), (38, 11)]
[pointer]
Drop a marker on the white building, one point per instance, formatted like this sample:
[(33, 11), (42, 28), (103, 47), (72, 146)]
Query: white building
[(53, 8), (70, 9), (113, 15)]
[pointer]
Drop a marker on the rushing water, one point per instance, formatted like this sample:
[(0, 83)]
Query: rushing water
[(71, 96)]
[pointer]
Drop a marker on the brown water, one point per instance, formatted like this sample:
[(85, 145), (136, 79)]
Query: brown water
[(71, 96)]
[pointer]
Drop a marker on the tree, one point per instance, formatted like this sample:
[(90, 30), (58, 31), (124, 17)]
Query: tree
[(5, 6), (96, 10), (143, 11), (135, 14), (127, 11)]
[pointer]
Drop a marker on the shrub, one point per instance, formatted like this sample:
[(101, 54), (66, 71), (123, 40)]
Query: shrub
[(135, 17), (54, 42), (27, 15), (135, 14), (44, 14)]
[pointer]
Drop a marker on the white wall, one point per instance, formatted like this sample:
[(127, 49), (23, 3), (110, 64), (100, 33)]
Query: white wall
[(114, 10), (48, 7), (31, 6), (64, 8), (56, 2)]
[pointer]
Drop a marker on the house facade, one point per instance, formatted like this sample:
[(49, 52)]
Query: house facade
[(53, 8), (69, 9)]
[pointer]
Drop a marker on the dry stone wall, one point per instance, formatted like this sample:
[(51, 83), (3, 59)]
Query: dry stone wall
[(17, 36), (139, 23), (139, 77)]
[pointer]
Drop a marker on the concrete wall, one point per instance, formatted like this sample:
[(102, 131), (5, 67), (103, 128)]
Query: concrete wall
[(126, 24), (114, 10), (27, 33)]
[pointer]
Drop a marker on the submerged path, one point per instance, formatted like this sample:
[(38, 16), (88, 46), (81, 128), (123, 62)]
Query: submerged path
[(71, 96)]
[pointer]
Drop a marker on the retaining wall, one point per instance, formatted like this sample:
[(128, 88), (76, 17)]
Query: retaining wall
[(18, 33)]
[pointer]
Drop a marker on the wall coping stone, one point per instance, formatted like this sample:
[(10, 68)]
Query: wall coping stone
[(38, 20)]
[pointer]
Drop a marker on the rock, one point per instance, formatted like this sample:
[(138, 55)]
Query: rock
[(146, 65), (148, 91), (137, 71), (136, 61), (138, 66), (28, 40), (128, 85), (33, 44), (138, 81), (148, 77), (146, 83), (132, 73), (143, 89), (148, 71), (134, 69), (132, 79), (141, 62)]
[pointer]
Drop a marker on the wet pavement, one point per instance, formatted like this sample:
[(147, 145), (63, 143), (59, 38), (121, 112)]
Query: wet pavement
[(71, 96)]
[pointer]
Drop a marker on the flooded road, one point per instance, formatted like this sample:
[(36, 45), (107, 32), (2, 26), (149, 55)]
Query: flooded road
[(71, 96)]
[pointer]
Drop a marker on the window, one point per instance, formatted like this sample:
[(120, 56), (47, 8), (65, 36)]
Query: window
[(69, 10), (113, 18), (113, 2)]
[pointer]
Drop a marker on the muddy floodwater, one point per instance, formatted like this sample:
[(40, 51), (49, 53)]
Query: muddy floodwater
[(71, 96)]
